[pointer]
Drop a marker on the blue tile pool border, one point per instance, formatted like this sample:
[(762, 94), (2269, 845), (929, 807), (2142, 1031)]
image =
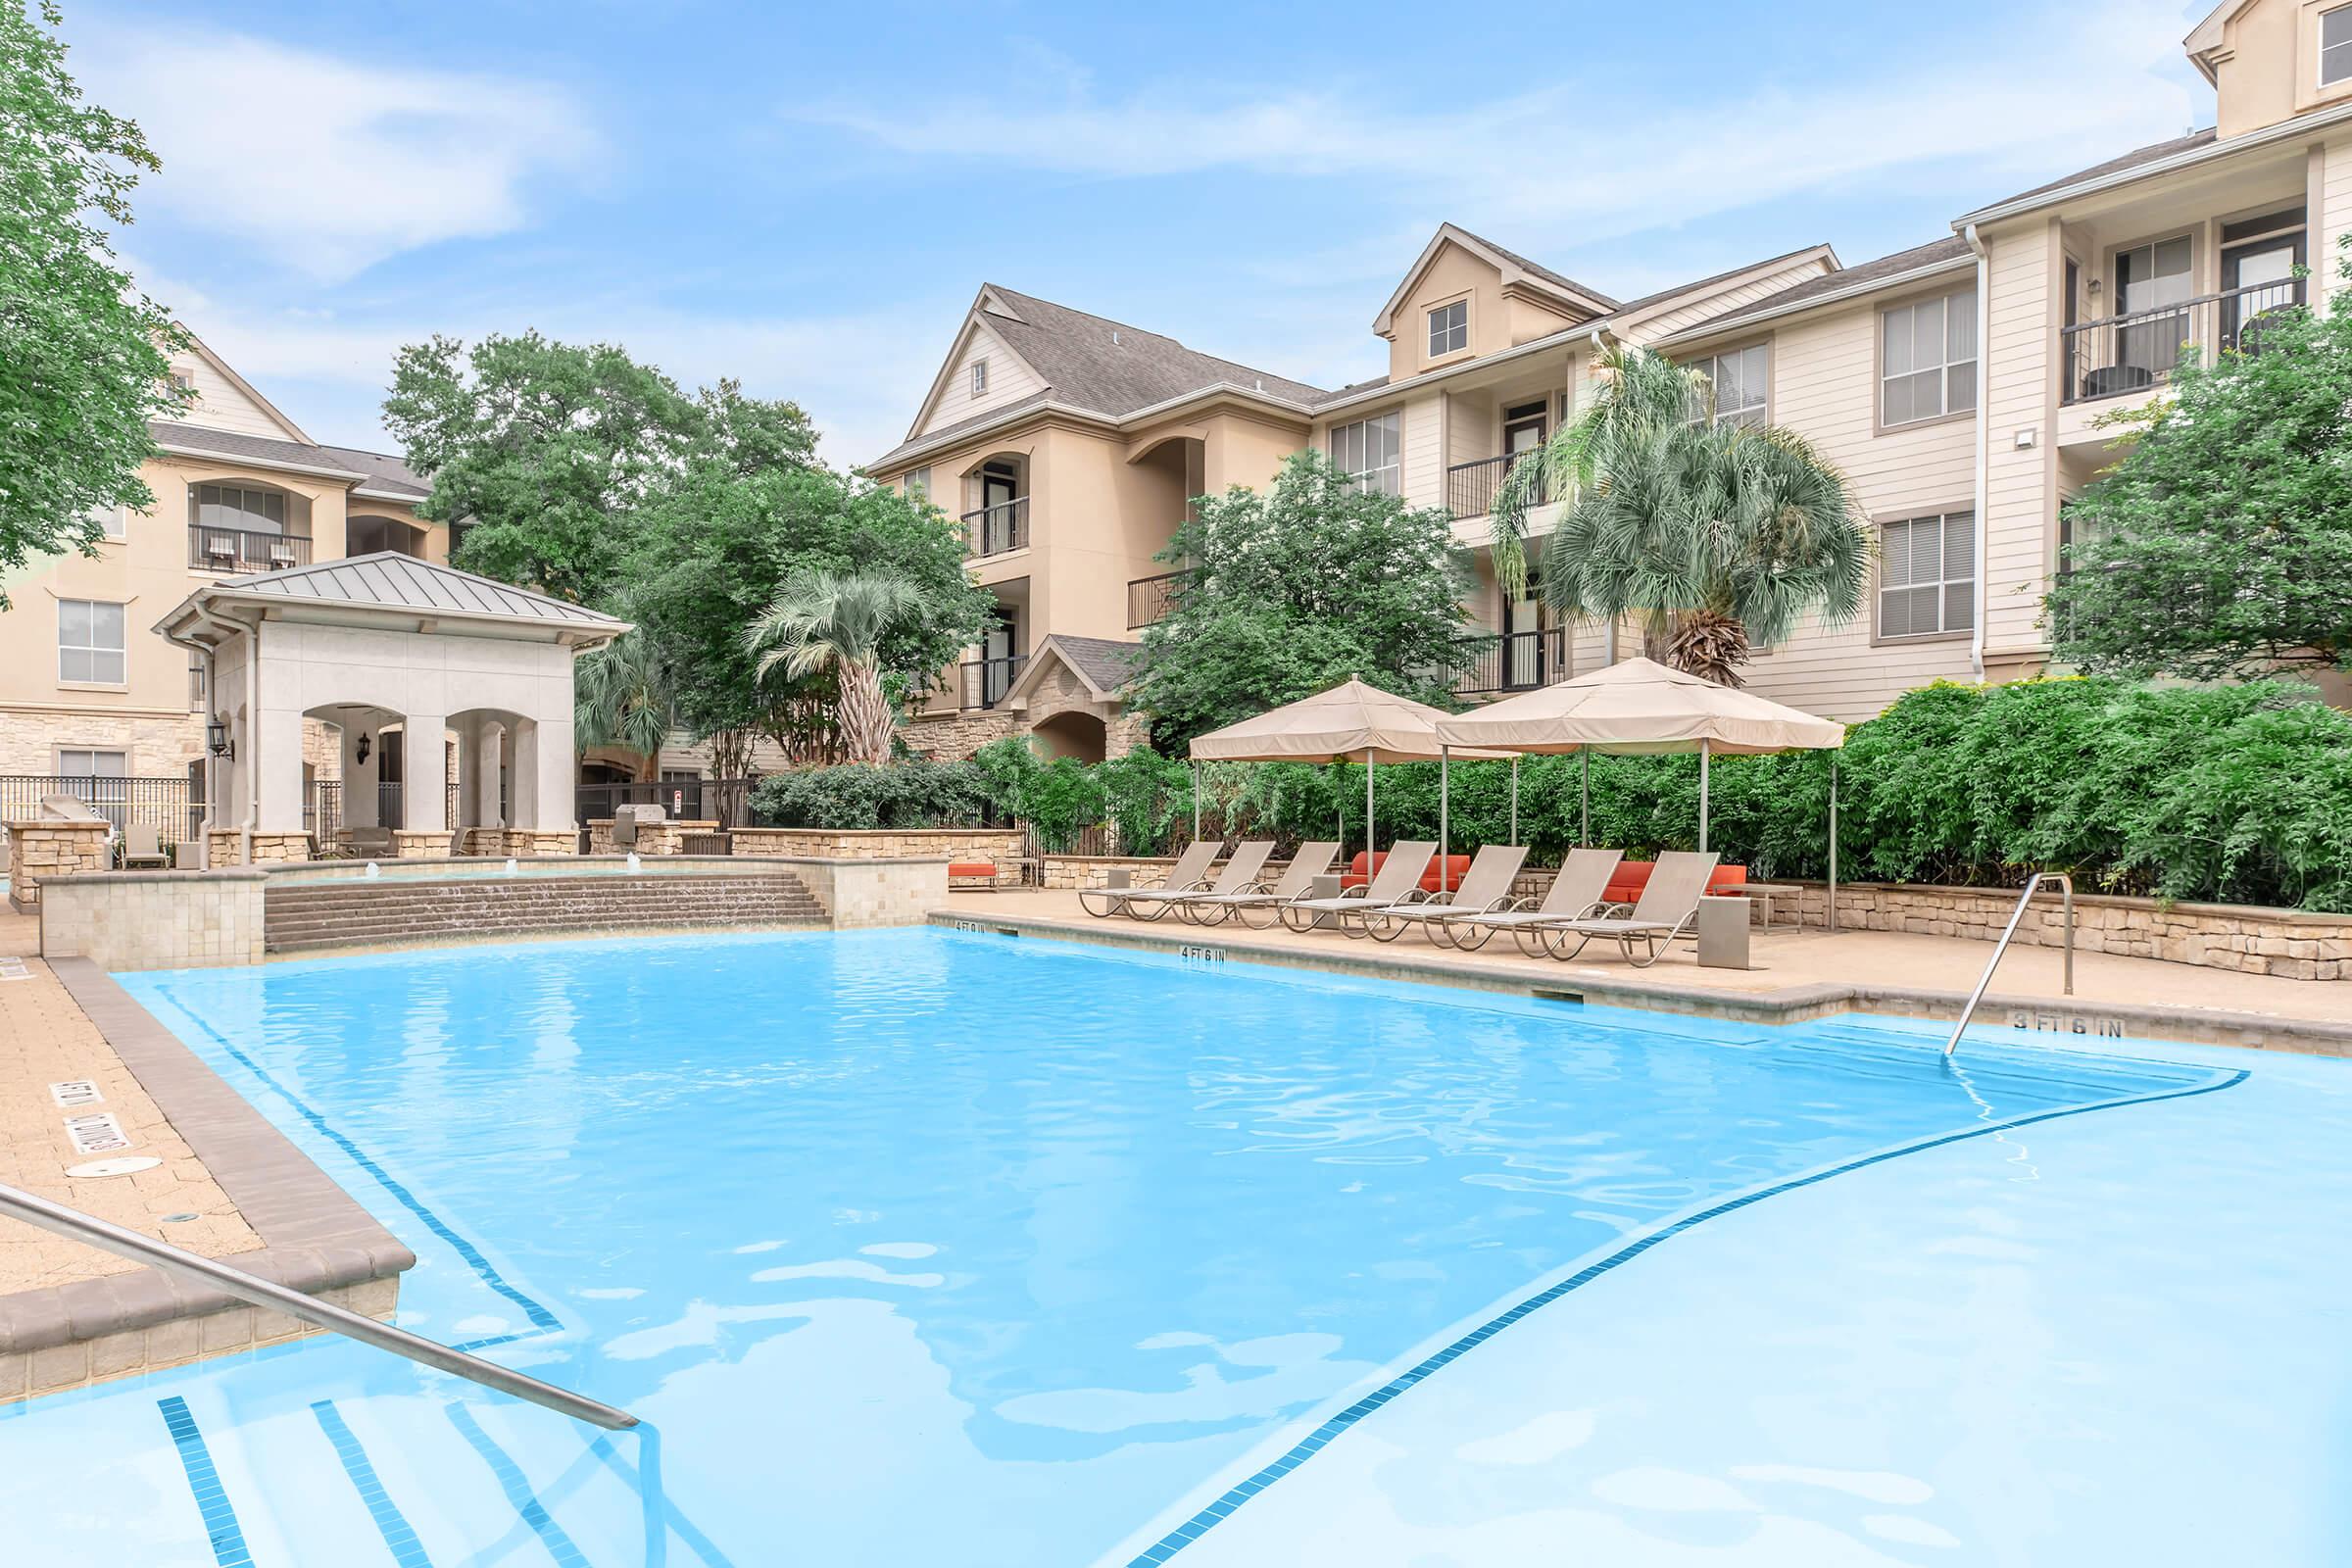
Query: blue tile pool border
[(1306, 1447), (517, 1488), (220, 1526), (541, 1319), (400, 1536)]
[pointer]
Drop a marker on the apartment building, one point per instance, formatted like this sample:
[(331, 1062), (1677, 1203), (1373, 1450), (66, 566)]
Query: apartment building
[(1960, 384), (89, 692)]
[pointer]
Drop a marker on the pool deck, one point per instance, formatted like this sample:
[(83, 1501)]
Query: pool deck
[(229, 1185), (1795, 975)]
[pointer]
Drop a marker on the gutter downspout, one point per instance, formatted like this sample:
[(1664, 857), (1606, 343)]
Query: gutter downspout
[(1976, 634), (206, 651)]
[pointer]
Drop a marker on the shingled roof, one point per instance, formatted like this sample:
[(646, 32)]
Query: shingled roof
[(2152, 153), (375, 470), (1935, 253)]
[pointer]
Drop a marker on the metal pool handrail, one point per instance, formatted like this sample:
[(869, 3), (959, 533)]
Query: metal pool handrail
[(80, 1227), (2032, 885)]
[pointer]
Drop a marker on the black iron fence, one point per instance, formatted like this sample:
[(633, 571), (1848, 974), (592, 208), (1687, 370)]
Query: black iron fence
[(166, 805), (1471, 487), (240, 550), (987, 680), (2139, 351), (1149, 599), (995, 530), (1514, 662)]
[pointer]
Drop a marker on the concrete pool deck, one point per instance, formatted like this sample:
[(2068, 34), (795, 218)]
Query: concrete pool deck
[(1798, 974)]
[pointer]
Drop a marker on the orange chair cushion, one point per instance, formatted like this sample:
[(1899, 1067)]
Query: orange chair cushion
[(970, 869), (1631, 876), (1357, 875)]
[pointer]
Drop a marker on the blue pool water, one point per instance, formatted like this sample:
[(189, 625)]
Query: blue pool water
[(923, 1247)]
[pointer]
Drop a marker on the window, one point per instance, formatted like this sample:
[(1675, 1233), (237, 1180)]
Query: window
[(1450, 329), (1927, 358), (79, 762), (1928, 575), (917, 484), (183, 379), (112, 521), (240, 507), (89, 641), (980, 378), (1743, 383), (1368, 451), (2335, 45)]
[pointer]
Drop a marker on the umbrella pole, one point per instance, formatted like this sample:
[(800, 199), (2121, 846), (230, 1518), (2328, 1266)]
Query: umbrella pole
[(1195, 803), (1584, 832), (1444, 826), (1514, 800), (1704, 757), (1370, 849), (1832, 842)]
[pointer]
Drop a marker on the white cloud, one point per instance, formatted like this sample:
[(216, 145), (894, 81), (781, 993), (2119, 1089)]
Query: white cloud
[(1602, 159), (325, 166)]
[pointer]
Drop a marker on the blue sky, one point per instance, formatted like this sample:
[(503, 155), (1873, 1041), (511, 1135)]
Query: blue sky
[(808, 197)]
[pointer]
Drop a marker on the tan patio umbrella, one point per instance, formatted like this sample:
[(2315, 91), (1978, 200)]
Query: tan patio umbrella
[(1639, 708), (1352, 722)]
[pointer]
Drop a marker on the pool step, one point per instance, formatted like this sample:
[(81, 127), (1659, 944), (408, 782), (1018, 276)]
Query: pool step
[(393, 910)]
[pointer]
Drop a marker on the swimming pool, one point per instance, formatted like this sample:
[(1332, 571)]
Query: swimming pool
[(925, 1247)]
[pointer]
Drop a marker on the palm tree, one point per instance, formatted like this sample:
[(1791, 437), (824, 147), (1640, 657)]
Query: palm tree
[(1717, 536), (624, 695), (838, 620)]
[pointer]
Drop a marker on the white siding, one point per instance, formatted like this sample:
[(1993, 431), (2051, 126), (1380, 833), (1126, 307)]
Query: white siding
[(1009, 380), (2021, 489), (1723, 301), (1424, 455), (221, 406), (2333, 221)]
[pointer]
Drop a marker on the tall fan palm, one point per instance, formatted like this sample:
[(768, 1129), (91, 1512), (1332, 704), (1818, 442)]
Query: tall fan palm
[(1715, 536), (624, 695), (838, 621)]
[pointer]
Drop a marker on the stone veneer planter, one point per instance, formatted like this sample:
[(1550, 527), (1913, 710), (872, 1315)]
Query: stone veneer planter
[(43, 848), (1001, 848)]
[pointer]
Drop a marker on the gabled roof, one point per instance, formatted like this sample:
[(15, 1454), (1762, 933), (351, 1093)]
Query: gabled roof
[(1638, 307), (370, 471), (2154, 152), (390, 581), (1103, 665), (1088, 362), (229, 373), (1949, 252), (1515, 267)]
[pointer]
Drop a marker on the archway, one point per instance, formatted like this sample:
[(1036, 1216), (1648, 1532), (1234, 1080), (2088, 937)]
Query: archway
[(1072, 732)]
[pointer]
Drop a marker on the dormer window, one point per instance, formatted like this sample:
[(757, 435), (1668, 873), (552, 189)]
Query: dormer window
[(2335, 45), (1449, 329), (980, 378)]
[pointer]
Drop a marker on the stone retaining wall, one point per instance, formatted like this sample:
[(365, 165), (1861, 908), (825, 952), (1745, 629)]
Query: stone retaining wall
[(225, 845), (998, 847), (665, 837), (154, 920), (1094, 870), (41, 849)]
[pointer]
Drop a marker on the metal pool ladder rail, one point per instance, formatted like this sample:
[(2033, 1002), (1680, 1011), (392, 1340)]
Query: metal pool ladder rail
[(2033, 886), (112, 1238)]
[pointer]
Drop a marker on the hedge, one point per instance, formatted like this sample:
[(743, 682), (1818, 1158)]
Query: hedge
[(2238, 794)]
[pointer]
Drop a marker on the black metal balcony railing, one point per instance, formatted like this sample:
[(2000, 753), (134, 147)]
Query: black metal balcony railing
[(240, 550), (2137, 353), (994, 530), (1515, 662), (1149, 599), (987, 680), (1471, 487)]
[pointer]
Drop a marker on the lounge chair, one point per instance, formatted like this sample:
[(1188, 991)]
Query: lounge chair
[(1668, 905), (1242, 872), (1578, 891), (1260, 905), (143, 846), (1484, 887), (1399, 873), (1190, 874)]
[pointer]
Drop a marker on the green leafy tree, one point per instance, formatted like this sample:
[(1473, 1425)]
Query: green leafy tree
[(84, 361), (624, 695), (1716, 537), (840, 623), (1289, 591), (718, 548), (544, 451), (2221, 544)]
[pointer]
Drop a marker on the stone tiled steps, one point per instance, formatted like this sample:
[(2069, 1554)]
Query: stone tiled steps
[(349, 914)]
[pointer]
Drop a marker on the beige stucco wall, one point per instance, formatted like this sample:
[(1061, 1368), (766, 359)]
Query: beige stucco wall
[(2272, 68), (1495, 322)]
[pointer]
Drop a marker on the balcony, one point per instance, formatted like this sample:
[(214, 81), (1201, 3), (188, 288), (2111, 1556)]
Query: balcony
[(1471, 487), (238, 550), (987, 680), (999, 529), (1514, 662), (2125, 355), (1149, 599)]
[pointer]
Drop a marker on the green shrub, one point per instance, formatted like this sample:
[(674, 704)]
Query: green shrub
[(867, 794)]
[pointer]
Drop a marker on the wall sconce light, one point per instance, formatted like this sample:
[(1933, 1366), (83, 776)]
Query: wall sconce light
[(362, 748), (217, 741)]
